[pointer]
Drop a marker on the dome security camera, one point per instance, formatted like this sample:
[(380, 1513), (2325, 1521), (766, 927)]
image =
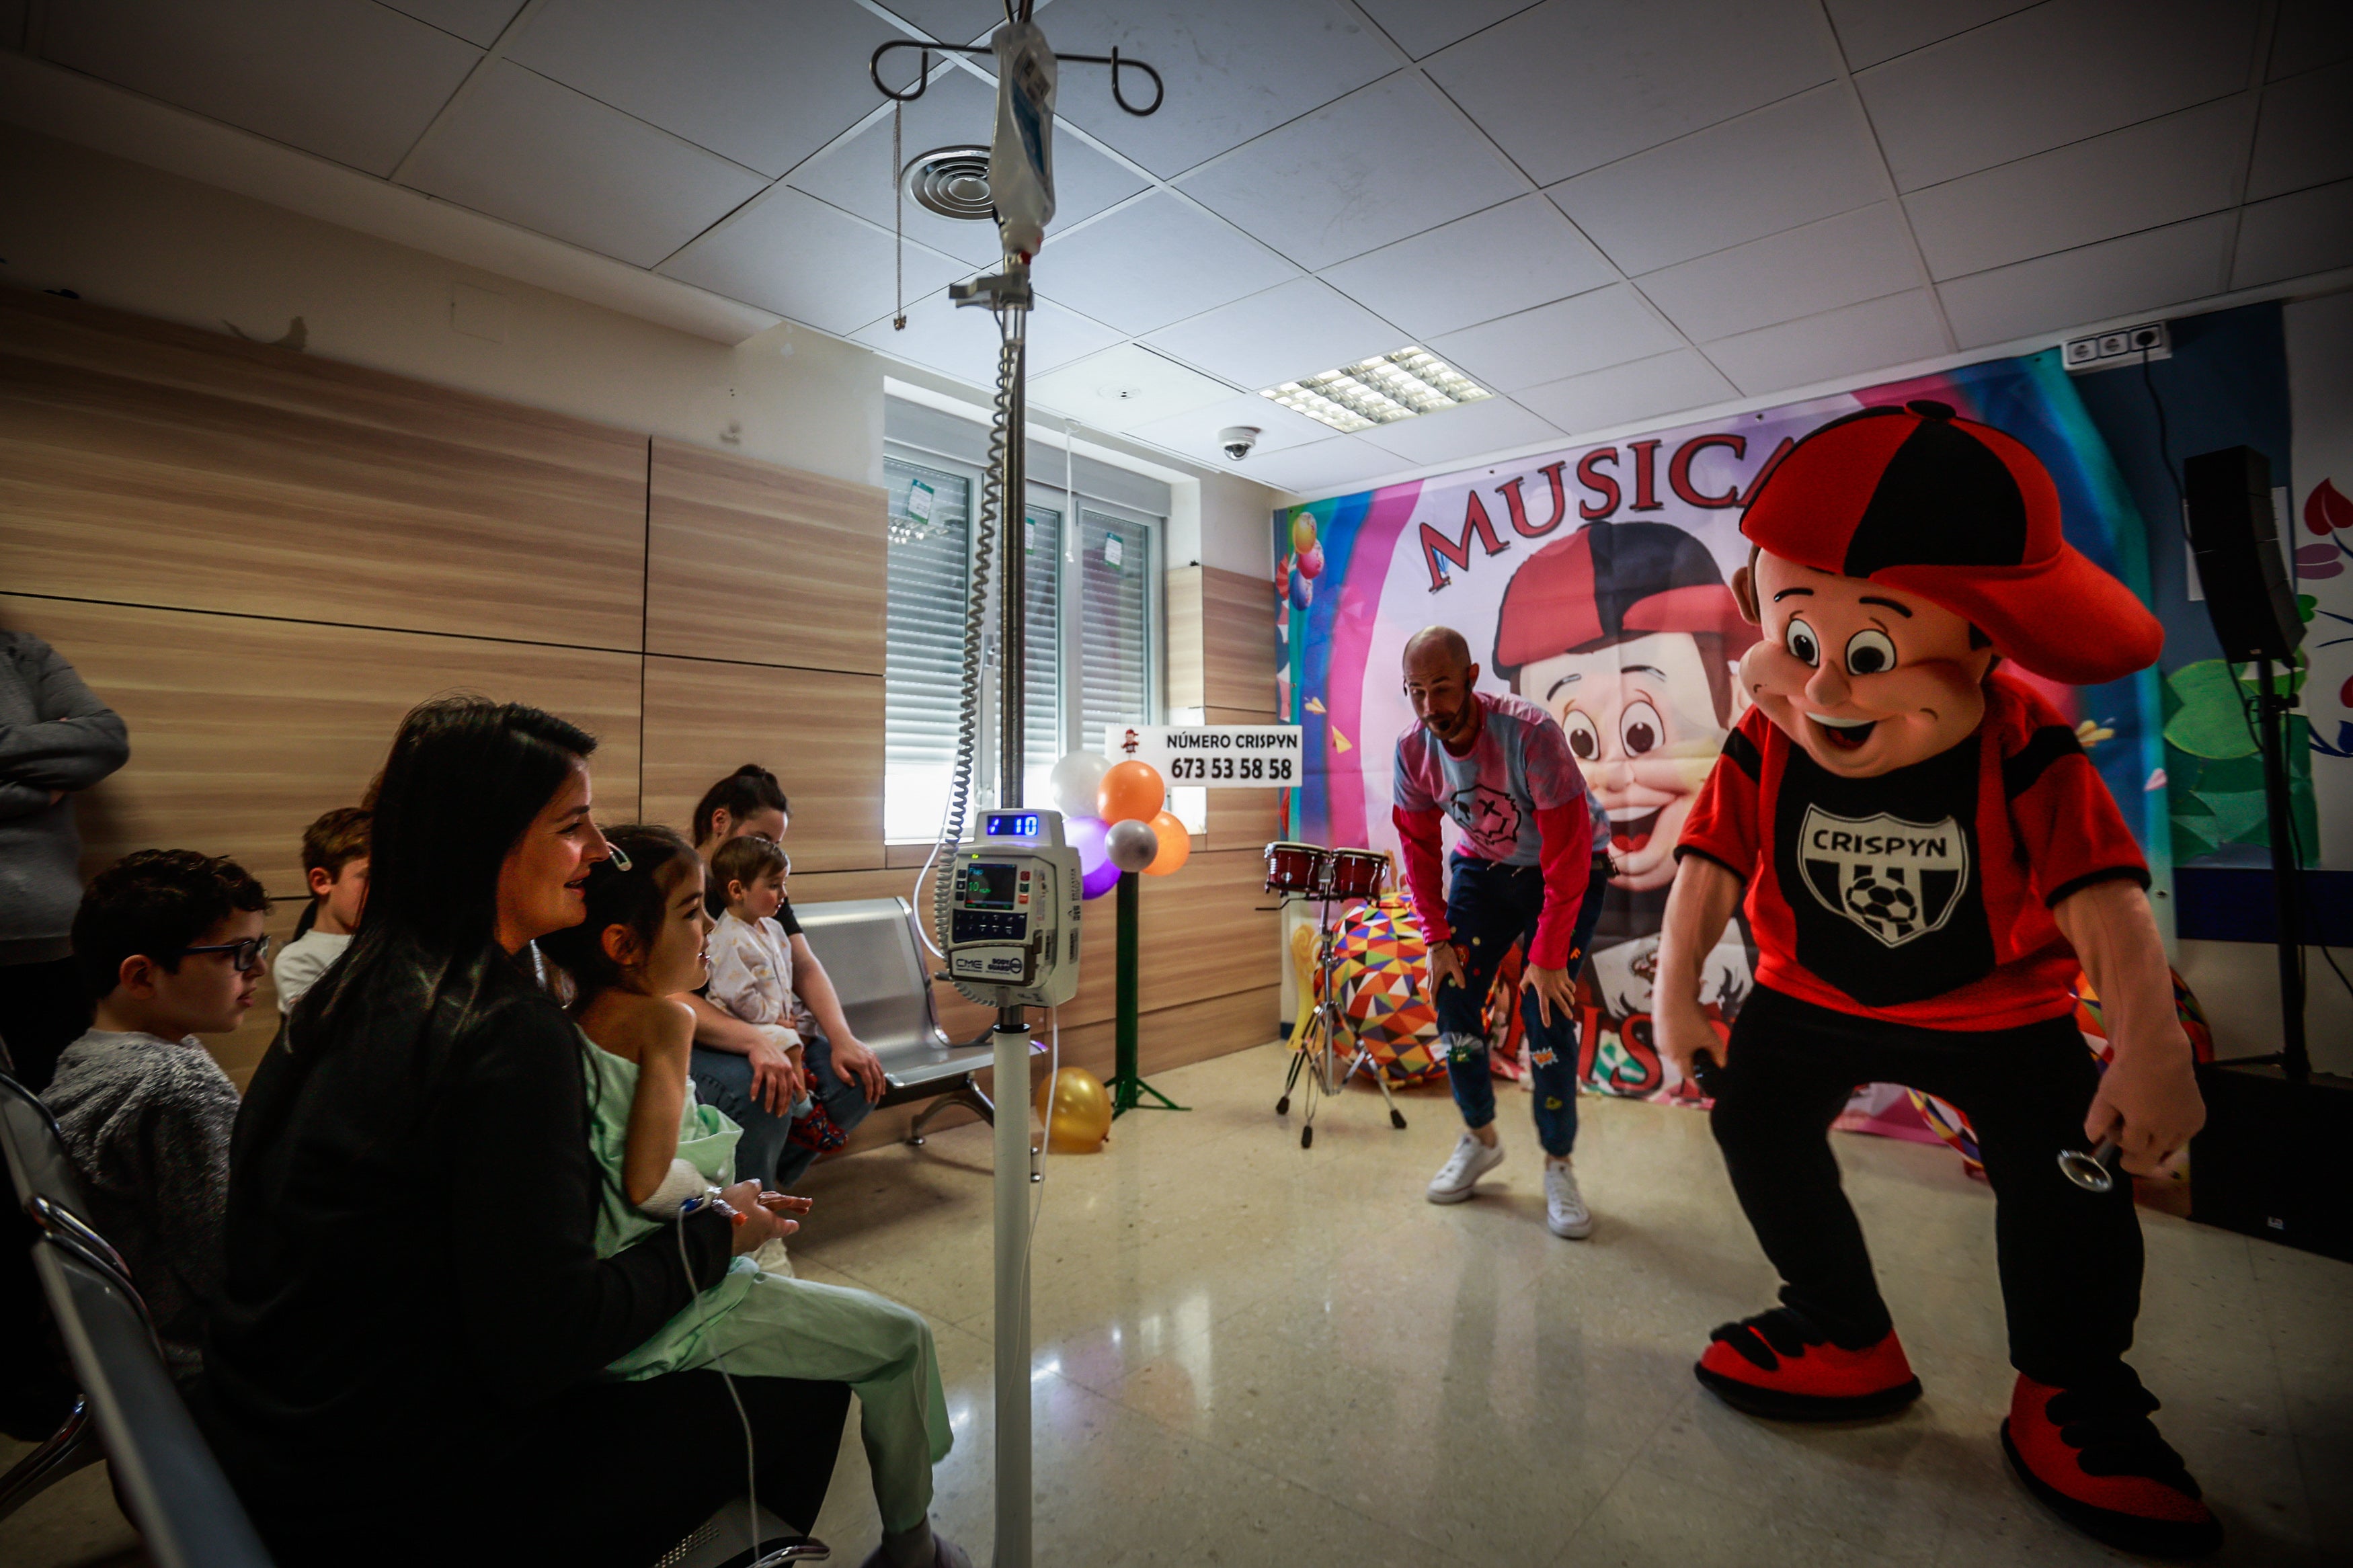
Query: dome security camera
[(1237, 440)]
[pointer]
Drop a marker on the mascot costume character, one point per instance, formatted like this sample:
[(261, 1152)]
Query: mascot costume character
[(1925, 854)]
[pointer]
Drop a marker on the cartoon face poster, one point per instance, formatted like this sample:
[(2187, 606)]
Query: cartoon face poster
[(1594, 582)]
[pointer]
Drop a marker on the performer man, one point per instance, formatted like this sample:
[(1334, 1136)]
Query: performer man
[(1926, 855), (1502, 769)]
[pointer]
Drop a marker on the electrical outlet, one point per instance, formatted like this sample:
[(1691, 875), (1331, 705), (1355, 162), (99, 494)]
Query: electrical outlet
[(2128, 345)]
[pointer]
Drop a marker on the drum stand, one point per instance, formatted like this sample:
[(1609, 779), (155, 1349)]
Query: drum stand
[(1317, 1048)]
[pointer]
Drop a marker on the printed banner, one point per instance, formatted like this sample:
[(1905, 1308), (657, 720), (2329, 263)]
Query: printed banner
[(1595, 581)]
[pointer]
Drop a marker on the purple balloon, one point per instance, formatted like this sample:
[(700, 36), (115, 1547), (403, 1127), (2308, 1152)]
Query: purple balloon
[(1085, 835), (1099, 882), (1303, 592)]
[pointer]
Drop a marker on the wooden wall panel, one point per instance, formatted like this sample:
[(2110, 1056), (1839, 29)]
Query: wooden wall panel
[(819, 731), (766, 565), (242, 731), (147, 463), (1181, 595), (1238, 645)]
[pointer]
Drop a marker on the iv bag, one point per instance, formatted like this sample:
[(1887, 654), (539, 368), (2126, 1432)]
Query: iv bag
[(1021, 156)]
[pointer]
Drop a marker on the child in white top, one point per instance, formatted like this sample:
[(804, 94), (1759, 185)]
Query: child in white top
[(335, 861), (752, 966)]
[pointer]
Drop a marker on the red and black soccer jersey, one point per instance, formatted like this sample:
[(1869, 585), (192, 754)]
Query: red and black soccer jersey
[(1921, 896)]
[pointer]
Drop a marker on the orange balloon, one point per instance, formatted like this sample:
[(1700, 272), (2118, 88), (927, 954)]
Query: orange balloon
[(1130, 792), (1176, 846)]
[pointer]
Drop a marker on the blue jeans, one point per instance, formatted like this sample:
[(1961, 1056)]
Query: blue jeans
[(1491, 907), (724, 1079)]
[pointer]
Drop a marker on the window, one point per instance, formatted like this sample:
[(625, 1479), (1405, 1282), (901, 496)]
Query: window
[(1091, 595)]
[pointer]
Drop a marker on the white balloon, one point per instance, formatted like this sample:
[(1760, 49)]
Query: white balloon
[(1133, 845), (1075, 780)]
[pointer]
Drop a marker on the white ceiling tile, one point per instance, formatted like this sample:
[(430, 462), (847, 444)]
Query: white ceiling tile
[(1874, 335), (1155, 261), (957, 109), (950, 21), (2294, 236), (1125, 386), (795, 256), (2161, 267), (1233, 68), (1843, 260), (537, 153), (347, 80), (2158, 172), (1624, 394), (1870, 31), (1491, 264), (2050, 75), (1300, 327), (1575, 84), (1799, 159), (962, 340), (1387, 160), (2310, 33), (2307, 136), (1194, 432), (1606, 326), (1331, 466), (1422, 27), (476, 21), (764, 84), (1452, 435)]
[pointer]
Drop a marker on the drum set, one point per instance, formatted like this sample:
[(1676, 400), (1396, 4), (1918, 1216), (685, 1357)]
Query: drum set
[(1327, 1054)]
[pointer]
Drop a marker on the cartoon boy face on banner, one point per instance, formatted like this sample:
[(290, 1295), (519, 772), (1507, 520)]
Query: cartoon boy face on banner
[(1627, 634)]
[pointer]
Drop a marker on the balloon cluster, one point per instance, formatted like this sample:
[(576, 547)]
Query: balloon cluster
[(1113, 815), (1305, 561)]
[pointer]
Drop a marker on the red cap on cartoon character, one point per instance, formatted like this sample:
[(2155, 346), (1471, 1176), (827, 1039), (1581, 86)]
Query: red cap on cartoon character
[(1962, 515), (1610, 581)]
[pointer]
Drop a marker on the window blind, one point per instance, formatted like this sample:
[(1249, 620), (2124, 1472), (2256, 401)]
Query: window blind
[(930, 569), (1115, 637)]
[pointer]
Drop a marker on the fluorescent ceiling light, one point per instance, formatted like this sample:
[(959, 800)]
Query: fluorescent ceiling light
[(1381, 390)]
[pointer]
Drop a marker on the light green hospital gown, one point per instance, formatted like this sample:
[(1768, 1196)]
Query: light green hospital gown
[(757, 1324)]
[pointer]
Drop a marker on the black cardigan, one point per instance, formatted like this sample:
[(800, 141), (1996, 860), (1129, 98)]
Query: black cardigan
[(411, 1258)]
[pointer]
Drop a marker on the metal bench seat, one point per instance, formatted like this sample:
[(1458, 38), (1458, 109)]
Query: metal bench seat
[(874, 957)]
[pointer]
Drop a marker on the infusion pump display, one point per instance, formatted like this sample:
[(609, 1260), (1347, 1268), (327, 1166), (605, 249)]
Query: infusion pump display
[(1013, 914)]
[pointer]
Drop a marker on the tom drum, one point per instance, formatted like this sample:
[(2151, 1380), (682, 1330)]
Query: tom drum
[(1296, 868), (1358, 873)]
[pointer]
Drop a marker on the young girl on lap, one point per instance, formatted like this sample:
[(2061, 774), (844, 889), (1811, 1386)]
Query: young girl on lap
[(642, 943)]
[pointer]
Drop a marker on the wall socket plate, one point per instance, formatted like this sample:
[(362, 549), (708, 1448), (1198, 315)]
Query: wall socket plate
[(2125, 345)]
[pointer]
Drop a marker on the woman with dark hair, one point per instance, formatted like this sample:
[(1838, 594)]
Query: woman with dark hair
[(405, 1363), (736, 1067)]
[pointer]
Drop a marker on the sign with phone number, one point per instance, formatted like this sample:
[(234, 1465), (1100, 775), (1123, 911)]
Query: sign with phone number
[(1220, 756)]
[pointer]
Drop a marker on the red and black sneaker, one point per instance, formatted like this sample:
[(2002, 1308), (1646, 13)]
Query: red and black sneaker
[(2095, 1457), (1779, 1364), (817, 1130)]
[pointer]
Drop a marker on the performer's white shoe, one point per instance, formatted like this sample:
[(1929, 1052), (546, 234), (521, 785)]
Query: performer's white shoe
[(1565, 1212), (1470, 1161)]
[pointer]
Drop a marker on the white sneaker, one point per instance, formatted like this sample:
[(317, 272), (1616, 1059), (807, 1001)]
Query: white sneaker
[(1565, 1212), (1470, 1161)]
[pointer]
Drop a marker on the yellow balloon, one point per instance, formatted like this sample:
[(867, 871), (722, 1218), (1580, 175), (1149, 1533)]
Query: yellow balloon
[(1079, 1120), (1302, 531), (1176, 845)]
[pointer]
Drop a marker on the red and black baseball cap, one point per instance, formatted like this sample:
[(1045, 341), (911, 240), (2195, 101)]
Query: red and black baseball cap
[(1609, 582), (1962, 515)]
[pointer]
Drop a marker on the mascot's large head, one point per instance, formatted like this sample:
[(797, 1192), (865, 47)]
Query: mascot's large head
[(1897, 553), (1626, 633)]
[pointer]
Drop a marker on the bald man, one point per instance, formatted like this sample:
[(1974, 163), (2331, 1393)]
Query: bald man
[(1502, 769)]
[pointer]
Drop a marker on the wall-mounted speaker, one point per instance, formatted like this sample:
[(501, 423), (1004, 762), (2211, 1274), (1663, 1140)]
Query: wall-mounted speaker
[(2236, 545)]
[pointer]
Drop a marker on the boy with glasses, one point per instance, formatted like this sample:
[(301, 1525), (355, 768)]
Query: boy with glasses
[(169, 946)]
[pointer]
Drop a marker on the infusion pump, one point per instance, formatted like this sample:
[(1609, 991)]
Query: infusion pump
[(1013, 914)]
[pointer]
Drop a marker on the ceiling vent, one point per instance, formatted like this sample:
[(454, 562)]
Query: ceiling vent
[(950, 180)]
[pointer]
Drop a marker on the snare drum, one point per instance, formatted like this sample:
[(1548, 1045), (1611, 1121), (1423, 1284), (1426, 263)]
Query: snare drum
[(1358, 873), (1296, 868)]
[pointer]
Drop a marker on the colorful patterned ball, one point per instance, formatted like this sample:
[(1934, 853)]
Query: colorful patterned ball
[(1383, 983)]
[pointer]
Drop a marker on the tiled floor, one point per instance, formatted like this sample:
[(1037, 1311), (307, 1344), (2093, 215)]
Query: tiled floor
[(1251, 1354)]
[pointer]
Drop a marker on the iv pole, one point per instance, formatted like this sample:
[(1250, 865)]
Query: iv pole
[(1025, 109)]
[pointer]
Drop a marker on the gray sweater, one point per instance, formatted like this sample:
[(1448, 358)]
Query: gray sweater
[(147, 1121), (55, 735)]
